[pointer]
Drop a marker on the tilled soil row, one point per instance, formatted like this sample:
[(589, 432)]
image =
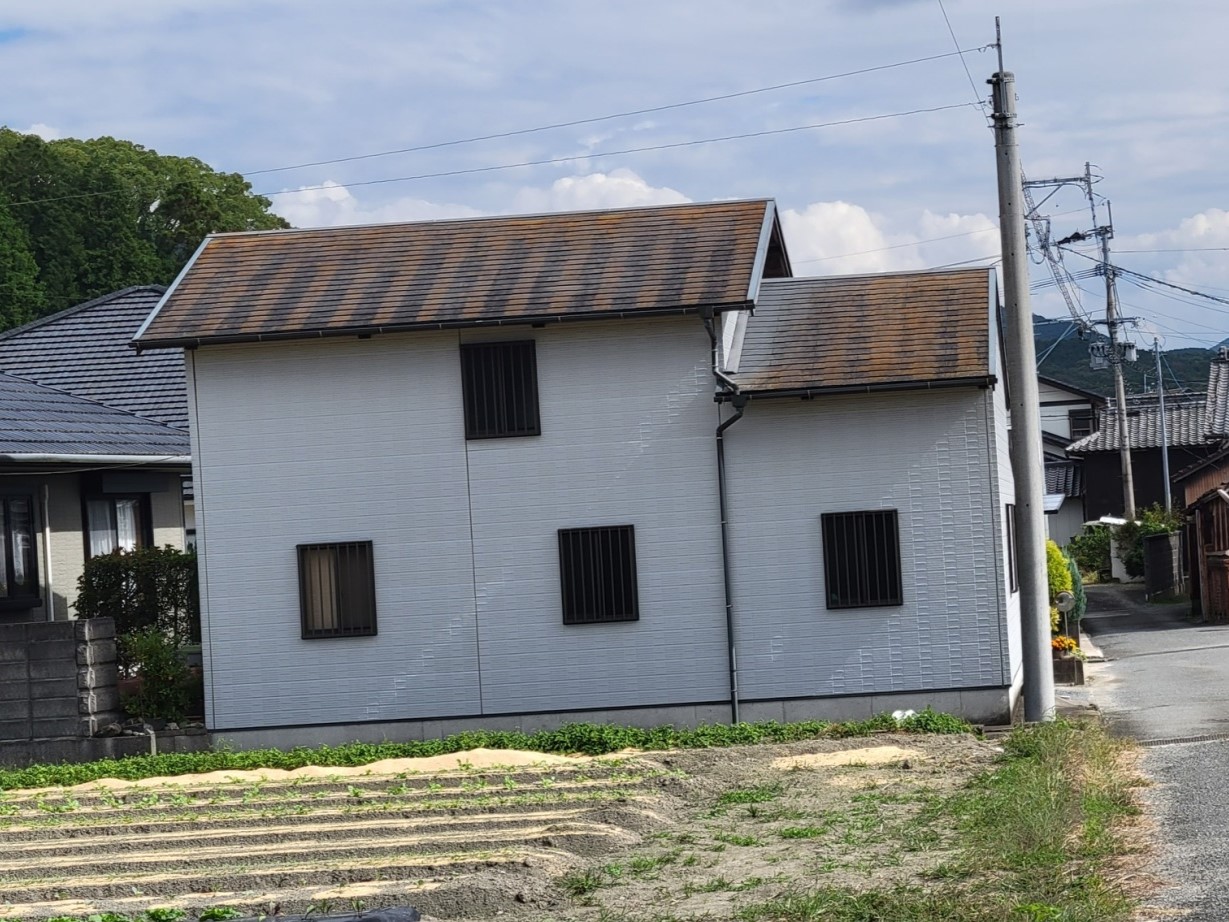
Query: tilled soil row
[(80, 853)]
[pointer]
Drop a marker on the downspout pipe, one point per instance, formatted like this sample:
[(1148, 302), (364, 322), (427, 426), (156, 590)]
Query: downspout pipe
[(729, 390), (739, 402)]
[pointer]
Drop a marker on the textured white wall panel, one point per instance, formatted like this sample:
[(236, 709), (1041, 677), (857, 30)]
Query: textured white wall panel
[(929, 455), (627, 439), (340, 440)]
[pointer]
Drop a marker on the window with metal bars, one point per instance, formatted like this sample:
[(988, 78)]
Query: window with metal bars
[(597, 573), (337, 590), (1013, 573), (862, 559), (499, 383)]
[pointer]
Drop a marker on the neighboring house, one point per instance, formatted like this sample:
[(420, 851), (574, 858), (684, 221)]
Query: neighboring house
[(1068, 414), (1188, 444), (134, 496), (1203, 490), (469, 472), (1064, 500), (78, 478)]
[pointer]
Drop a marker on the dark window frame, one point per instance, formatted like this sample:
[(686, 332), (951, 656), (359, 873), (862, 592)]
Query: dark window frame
[(598, 581), (499, 389), (862, 563), (1013, 565), (1081, 423), (145, 531), (31, 596), (358, 614)]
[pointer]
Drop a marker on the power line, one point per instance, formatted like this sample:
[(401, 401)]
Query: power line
[(615, 153), (1182, 250), (972, 84), (518, 132), (895, 246)]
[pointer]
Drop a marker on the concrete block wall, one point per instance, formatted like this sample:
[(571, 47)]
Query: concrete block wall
[(57, 678)]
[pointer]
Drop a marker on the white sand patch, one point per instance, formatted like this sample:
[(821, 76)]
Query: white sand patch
[(473, 759), (870, 755)]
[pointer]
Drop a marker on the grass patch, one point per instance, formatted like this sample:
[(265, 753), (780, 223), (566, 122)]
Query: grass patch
[(756, 795), (582, 738), (1034, 838)]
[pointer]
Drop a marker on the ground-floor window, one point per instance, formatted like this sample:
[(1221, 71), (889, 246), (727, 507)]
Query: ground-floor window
[(117, 523), (862, 559), (337, 590), (19, 573)]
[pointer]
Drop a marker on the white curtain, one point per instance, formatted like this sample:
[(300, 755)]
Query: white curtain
[(320, 578), (126, 520), (102, 531)]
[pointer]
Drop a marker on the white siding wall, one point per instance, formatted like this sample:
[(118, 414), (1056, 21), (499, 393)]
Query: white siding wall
[(364, 440), (1001, 434), (929, 455), (1054, 418)]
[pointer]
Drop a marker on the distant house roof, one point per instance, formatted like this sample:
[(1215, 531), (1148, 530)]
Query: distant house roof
[(871, 332), (361, 280), (1091, 396), (86, 351), (1184, 423), (1064, 477), (1217, 409), (40, 423)]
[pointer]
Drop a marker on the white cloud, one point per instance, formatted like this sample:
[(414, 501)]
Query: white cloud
[(616, 189), (334, 205), (834, 238), (46, 132)]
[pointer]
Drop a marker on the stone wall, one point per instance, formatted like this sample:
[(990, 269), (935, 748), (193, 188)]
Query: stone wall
[(57, 679)]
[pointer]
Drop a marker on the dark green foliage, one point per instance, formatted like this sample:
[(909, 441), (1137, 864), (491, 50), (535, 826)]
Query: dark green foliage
[(930, 721), (156, 658), (153, 587), (1091, 551), (1069, 362), (99, 215), (1130, 537), (586, 739)]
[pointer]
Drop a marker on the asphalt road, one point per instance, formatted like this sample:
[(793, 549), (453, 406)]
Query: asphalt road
[(1166, 681)]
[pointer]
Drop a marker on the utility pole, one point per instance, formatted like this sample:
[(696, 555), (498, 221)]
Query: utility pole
[(1025, 407), (1119, 352), (1160, 391), (1116, 357)]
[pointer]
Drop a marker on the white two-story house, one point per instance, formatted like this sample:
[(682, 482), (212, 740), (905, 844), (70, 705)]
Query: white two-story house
[(515, 471)]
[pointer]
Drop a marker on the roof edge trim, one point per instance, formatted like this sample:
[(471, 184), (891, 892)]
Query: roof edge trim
[(136, 339), (761, 250), (499, 322), (979, 381), (45, 458)]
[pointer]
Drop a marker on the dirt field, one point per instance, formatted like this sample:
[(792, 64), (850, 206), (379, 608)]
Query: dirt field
[(493, 835)]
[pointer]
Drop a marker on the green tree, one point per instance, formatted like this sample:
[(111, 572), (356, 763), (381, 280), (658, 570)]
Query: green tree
[(103, 214)]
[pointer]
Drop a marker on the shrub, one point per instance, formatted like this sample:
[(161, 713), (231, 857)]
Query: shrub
[(1058, 577), (1130, 537), (164, 690), (1091, 550), (153, 587)]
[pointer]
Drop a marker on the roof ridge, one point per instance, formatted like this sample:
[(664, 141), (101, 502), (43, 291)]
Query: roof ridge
[(895, 273), (78, 308), (474, 219)]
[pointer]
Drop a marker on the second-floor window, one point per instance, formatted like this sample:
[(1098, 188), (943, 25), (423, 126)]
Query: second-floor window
[(499, 382), (1082, 423)]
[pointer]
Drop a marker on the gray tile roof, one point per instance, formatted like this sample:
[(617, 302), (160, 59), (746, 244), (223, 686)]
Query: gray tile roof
[(1217, 409), (1065, 477), (86, 351), (37, 420), (871, 331), (1184, 422)]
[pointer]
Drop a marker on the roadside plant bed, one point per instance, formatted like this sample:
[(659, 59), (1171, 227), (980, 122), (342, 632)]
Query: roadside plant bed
[(580, 738)]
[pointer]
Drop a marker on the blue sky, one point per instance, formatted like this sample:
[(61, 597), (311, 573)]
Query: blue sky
[(1136, 87)]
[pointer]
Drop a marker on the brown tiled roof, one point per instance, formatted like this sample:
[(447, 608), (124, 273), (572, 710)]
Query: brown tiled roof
[(875, 332), (351, 280)]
